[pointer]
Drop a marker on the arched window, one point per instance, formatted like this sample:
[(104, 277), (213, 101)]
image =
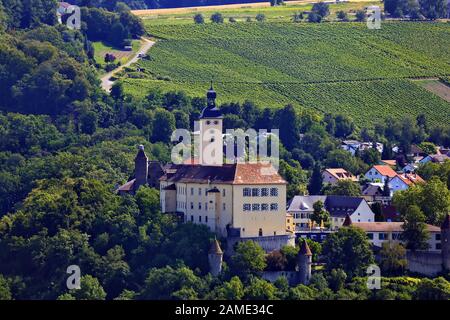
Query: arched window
[(260, 232)]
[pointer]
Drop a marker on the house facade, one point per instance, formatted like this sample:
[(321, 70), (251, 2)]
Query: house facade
[(301, 207), (333, 175), (379, 173)]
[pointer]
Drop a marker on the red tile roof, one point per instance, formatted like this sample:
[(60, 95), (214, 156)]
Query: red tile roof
[(341, 174), (385, 170), (410, 178)]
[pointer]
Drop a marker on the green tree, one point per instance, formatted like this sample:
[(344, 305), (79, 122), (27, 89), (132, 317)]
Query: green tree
[(336, 279), (361, 15), (320, 214), (342, 15), (260, 17), (164, 125), (88, 122), (231, 290), (199, 18), (436, 289), (433, 9), (321, 8), (117, 91), (90, 289), (260, 289), (415, 232), (249, 258), (428, 147), (5, 290), (302, 292), (348, 249), (393, 258), (217, 18), (344, 188), (316, 182)]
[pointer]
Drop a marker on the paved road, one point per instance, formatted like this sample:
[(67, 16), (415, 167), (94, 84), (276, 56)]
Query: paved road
[(107, 83)]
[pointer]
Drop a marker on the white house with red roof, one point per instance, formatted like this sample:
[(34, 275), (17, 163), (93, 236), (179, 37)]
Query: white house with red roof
[(333, 175), (403, 181), (379, 173)]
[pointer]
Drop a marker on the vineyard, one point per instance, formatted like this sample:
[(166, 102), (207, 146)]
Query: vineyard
[(330, 67)]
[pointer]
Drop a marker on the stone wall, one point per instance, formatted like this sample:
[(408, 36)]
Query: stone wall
[(424, 262), (268, 243)]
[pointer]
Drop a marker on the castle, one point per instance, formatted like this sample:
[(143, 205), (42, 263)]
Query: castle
[(237, 201)]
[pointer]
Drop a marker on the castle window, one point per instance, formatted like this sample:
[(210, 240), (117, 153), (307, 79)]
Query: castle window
[(224, 206), (208, 122), (206, 219), (437, 236), (199, 206), (216, 122), (192, 191), (274, 192), (246, 192), (224, 192), (255, 192), (199, 218), (212, 139), (246, 207), (260, 233), (255, 207), (273, 206), (192, 205), (192, 218), (265, 207), (265, 192)]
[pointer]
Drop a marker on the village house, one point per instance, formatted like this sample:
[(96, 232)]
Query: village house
[(381, 232), (436, 158), (302, 207), (353, 146), (333, 175), (379, 173), (403, 181)]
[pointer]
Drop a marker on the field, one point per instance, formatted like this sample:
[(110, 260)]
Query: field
[(241, 12), (329, 67), (101, 48)]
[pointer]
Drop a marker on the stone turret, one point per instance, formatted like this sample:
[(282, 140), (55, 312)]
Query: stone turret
[(215, 257), (304, 261), (140, 168), (445, 242)]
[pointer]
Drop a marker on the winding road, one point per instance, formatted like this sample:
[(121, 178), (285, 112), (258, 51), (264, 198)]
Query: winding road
[(106, 79)]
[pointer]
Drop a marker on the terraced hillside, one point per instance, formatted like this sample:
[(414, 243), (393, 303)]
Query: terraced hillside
[(336, 67)]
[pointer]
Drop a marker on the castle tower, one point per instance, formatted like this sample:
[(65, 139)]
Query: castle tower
[(215, 257), (445, 242), (211, 141), (304, 261), (140, 168)]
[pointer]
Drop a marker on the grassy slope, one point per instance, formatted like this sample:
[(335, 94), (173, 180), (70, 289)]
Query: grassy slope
[(337, 67), (101, 48)]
